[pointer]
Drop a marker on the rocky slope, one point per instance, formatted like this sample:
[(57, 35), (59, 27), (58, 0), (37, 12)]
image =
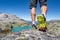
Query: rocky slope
[(29, 35), (7, 21), (54, 27), (53, 33)]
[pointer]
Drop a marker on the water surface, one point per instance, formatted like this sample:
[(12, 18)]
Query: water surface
[(20, 28)]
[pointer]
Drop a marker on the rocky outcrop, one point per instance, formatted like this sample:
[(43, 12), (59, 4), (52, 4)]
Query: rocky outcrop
[(28, 35), (7, 21), (54, 27), (53, 33)]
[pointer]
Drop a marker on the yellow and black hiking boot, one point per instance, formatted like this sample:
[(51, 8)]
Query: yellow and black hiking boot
[(41, 23)]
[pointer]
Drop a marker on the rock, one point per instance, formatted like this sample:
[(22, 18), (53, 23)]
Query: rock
[(54, 27), (2, 35), (8, 21), (29, 35)]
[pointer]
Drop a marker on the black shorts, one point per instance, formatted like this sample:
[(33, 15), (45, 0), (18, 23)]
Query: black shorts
[(33, 3)]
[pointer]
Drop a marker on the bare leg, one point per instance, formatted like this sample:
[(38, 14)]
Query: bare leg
[(33, 14), (44, 9)]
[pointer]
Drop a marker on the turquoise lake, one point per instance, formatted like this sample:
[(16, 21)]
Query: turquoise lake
[(21, 28)]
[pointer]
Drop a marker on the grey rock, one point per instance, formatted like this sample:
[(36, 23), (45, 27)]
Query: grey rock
[(54, 27), (2, 35), (29, 35), (8, 20)]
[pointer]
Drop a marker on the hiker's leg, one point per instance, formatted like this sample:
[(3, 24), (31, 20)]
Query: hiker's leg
[(43, 6), (33, 4), (33, 15), (44, 10), (42, 17)]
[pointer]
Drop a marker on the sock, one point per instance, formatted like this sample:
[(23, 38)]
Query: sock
[(44, 14), (33, 22)]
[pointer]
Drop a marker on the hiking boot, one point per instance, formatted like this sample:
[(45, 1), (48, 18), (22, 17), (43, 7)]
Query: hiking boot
[(34, 26), (41, 23)]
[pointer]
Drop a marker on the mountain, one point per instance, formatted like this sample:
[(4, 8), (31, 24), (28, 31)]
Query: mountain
[(7, 21)]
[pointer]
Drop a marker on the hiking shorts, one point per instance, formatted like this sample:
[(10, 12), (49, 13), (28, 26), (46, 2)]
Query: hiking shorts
[(33, 3)]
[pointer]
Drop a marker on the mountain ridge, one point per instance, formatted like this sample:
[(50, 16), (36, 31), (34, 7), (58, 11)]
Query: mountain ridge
[(11, 20)]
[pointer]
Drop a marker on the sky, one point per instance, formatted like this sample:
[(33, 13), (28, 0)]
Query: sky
[(20, 8)]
